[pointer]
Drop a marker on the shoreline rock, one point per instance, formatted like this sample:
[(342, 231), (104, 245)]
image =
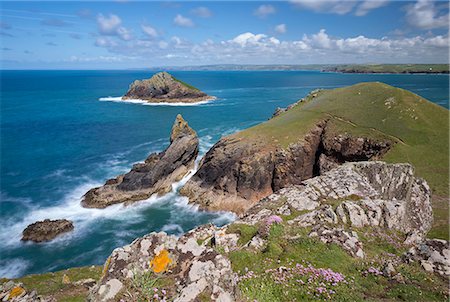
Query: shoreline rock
[(163, 87), (46, 230), (155, 175)]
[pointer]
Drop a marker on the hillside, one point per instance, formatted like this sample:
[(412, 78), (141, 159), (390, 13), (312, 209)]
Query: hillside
[(389, 68), (415, 129)]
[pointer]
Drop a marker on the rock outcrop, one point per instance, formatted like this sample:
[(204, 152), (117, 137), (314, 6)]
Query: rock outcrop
[(237, 172), (163, 87), (46, 230), (356, 194), (333, 206), (193, 270), (155, 175), (433, 255)]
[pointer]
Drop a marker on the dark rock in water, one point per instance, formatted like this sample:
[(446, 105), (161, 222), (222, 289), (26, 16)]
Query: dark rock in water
[(46, 230), (163, 87), (155, 175)]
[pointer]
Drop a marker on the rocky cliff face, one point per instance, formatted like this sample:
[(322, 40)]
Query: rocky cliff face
[(331, 208), (155, 175), (238, 172), (163, 87)]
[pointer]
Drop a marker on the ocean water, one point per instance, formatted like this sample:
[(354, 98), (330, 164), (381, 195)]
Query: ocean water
[(64, 132)]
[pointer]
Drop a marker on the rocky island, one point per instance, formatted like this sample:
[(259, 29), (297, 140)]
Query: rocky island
[(155, 175), (164, 88), (46, 230)]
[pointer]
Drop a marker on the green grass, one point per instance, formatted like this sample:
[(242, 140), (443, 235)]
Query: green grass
[(185, 84), (390, 68), (281, 252), (245, 231), (50, 284), (419, 129)]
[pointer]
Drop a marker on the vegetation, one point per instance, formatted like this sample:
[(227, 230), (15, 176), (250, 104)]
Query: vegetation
[(53, 284), (419, 129), (185, 84), (305, 269), (390, 68)]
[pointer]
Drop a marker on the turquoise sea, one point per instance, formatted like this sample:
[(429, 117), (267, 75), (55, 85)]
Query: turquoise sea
[(59, 138)]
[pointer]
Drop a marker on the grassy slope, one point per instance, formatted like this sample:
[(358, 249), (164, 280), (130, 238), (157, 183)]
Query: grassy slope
[(419, 128), (51, 284), (359, 286), (391, 68)]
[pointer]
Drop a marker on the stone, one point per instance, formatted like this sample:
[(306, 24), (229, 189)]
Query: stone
[(155, 176), (194, 268), (433, 255), (163, 87), (389, 270), (46, 230)]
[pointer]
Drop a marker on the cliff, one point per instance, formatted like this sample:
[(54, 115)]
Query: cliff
[(163, 87), (155, 175), (367, 121)]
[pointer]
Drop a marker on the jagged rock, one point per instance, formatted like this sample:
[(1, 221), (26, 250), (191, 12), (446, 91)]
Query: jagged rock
[(194, 268), (433, 254), (46, 230), (238, 172), (163, 87), (16, 292), (347, 240), (155, 175), (365, 194)]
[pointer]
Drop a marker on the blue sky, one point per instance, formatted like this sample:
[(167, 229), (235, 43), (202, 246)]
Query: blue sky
[(130, 34)]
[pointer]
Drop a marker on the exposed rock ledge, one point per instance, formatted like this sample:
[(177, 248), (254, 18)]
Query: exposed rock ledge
[(155, 175), (46, 230), (163, 87), (237, 172), (333, 206)]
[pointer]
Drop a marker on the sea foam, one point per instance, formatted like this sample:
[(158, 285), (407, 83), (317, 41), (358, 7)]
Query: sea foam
[(145, 103)]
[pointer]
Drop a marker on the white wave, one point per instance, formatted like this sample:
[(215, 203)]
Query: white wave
[(146, 103), (13, 268)]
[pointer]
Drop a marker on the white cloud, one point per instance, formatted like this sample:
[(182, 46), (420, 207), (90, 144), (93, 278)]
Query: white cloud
[(111, 26), (264, 10), (424, 14), (183, 21), (202, 12), (368, 5), (340, 7), (108, 25), (258, 48), (149, 31), (281, 28)]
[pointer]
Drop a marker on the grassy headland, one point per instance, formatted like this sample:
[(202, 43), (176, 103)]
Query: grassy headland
[(419, 129)]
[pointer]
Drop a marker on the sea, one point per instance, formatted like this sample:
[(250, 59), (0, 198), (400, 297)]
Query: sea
[(65, 132)]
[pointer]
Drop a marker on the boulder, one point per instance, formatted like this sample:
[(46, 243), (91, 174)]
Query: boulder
[(195, 270), (155, 175), (46, 230), (163, 87), (433, 255)]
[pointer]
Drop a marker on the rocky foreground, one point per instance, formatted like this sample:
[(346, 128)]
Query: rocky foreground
[(163, 87), (334, 209), (154, 176)]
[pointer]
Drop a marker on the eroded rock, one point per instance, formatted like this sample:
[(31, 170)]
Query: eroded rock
[(155, 175), (433, 255), (163, 87), (46, 230)]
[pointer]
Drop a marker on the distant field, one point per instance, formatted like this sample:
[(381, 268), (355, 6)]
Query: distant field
[(390, 68)]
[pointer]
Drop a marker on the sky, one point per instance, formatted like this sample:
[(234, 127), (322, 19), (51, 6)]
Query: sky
[(139, 34)]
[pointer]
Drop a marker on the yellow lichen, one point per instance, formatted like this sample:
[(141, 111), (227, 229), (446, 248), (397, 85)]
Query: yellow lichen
[(161, 262), (106, 267), (65, 279), (16, 292)]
